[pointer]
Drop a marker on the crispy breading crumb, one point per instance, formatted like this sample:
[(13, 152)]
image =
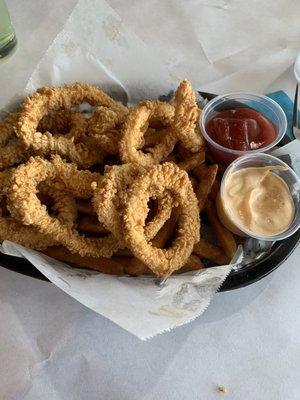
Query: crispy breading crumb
[(94, 185), (222, 389)]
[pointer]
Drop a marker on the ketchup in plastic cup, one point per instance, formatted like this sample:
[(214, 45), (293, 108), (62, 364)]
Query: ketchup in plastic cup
[(241, 123)]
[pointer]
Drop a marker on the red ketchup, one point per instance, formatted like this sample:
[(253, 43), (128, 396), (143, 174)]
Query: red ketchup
[(240, 129)]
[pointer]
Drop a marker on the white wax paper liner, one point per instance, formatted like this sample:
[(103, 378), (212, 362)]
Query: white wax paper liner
[(138, 305)]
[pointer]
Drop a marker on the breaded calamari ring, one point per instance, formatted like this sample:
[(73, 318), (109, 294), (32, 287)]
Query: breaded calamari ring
[(45, 100), (12, 151), (110, 196), (186, 117), (69, 123), (12, 229), (7, 128), (135, 266), (133, 134), (65, 205), (104, 119), (161, 179), (107, 142), (24, 204), (104, 126)]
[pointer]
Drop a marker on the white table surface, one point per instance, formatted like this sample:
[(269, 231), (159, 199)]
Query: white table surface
[(248, 340)]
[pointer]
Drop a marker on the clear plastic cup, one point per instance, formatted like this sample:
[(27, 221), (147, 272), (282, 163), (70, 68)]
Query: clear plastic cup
[(289, 177), (263, 104)]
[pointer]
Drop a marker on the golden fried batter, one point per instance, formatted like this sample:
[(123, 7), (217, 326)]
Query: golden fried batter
[(155, 183), (186, 119), (133, 134)]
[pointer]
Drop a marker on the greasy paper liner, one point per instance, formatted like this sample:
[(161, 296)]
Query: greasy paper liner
[(140, 305)]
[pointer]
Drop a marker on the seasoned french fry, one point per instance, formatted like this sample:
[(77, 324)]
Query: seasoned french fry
[(193, 264), (183, 152), (210, 251), (225, 237), (166, 231), (171, 158), (207, 178), (136, 267), (192, 162), (112, 266), (193, 182), (123, 253), (199, 170), (90, 225), (215, 189), (85, 207), (44, 198)]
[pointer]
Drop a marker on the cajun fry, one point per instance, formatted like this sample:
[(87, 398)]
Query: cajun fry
[(225, 237), (193, 182), (193, 161), (166, 231), (199, 171), (171, 158), (123, 253), (112, 266), (91, 225), (215, 189), (207, 179), (193, 264), (210, 251), (136, 267), (85, 207)]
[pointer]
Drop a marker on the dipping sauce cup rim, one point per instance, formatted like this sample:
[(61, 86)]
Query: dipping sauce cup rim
[(239, 96), (294, 226)]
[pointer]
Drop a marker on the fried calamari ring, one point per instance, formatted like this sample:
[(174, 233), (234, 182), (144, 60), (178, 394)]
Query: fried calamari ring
[(24, 204), (7, 128), (69, 123), (45, 100), (186, 117), (104, 126), (12, 151), (107, 143), (104, 119), (110, 196), (161, 179), (11, 229), (133, 134), (65, 205)]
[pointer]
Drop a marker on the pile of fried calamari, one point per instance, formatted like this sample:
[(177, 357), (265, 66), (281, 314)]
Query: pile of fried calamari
[(115, 189)]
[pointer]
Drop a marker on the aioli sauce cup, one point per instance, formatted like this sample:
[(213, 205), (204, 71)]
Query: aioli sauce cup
[(258, 102), (288, 176)]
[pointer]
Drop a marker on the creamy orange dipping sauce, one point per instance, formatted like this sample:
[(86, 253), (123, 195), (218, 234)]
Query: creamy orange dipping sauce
[(259, 200)]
